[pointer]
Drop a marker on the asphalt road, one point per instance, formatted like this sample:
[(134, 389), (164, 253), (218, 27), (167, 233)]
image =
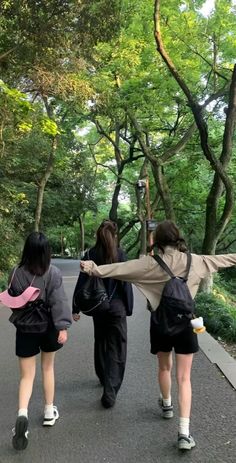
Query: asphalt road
[(131, 432)]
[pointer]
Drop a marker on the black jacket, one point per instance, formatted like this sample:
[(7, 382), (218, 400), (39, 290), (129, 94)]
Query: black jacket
[(123, 289)]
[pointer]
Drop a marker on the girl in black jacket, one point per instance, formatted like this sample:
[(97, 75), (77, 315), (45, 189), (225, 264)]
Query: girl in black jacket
[(110, 327)]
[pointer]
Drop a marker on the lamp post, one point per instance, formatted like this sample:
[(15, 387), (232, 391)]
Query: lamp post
[(151, 223)]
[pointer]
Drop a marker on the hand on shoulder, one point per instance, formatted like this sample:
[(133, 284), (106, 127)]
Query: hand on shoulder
[(86, 266)]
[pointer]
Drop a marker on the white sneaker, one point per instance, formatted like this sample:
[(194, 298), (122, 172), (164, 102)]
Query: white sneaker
[(167, 410), (185, 442), (51, 421)]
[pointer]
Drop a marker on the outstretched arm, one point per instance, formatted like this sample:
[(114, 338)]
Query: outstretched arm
[(210, 264), (131, 271)]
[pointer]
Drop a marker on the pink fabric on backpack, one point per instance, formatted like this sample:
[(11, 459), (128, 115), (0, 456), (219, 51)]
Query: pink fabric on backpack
[(16, 302)]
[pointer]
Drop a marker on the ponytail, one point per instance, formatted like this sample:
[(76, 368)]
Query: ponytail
[(181, 245), (106, 245)]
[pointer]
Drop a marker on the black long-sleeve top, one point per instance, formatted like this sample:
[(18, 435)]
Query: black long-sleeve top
[(120, 289)]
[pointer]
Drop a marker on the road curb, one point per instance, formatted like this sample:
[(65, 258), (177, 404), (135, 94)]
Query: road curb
[(218, 355)]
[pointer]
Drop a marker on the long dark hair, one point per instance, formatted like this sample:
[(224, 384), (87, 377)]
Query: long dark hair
[(36, 255), (168, 234), (106, 246)]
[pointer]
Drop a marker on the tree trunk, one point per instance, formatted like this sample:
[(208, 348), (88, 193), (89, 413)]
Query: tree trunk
[(211, 238), (42, 185), (62, 244), (206, 284), (127, 228), (82, 241), (114, 204), (163, 190)]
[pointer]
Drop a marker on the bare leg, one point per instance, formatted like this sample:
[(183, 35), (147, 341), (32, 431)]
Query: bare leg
[(47, 365), (183, 375), (164, 373), (27, 375)]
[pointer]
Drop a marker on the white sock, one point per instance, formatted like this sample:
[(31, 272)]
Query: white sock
[(166, 402), (184, 426), (48, 411), (23, 412)]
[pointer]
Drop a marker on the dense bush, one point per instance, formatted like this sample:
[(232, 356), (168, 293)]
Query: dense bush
[(219, 317), (227, 279)]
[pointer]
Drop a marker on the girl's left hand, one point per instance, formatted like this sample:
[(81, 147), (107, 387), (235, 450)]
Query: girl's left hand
[(86, 266), (62, 337)]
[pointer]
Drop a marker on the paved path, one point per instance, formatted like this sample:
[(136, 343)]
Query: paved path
[(133, 431)]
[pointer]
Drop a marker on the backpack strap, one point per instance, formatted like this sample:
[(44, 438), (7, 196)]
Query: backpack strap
[(165, 267), (189, 260), (13, 274)]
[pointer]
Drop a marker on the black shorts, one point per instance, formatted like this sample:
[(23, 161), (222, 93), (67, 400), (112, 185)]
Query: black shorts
[(28, 345), (183, 343)]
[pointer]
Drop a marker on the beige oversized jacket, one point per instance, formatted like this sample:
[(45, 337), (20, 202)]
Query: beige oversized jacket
[(150, 278)]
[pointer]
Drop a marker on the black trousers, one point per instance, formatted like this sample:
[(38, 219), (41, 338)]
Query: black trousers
[(110, 348)]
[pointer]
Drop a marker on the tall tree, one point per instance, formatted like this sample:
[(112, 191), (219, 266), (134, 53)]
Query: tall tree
[(222, 183)]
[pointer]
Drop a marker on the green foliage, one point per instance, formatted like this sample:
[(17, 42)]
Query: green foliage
[(226, 279), (61, 74), (64, 240), (10, 249), (49, 127), (219, 317)]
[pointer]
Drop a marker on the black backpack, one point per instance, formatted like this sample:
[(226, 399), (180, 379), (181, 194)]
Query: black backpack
[(92, 299), (176, 306)]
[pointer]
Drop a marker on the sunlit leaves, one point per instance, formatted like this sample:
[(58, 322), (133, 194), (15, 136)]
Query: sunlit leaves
[(25, 127), (49, 127), (15, 99)]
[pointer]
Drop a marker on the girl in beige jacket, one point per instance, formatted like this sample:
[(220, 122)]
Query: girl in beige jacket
[(150, 279)]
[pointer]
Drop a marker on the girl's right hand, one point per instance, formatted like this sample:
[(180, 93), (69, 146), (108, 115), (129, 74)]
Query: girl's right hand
[(62, 337)]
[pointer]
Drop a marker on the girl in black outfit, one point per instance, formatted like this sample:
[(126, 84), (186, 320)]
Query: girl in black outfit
[(110, 327)]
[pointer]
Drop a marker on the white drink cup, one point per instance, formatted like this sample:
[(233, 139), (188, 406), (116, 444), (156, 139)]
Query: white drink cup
[(197, 322)]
